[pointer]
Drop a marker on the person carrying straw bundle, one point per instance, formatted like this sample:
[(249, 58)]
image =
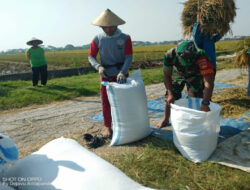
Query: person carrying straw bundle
[(242, 59), (207, 21)]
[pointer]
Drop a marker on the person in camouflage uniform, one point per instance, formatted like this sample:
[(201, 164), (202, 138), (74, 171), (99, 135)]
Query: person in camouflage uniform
[(190, 66)]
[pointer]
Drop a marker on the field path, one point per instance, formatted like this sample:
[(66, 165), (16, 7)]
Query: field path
[(32, 127)]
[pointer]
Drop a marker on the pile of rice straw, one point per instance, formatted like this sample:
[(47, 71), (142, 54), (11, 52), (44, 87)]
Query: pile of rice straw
[(216, 16), (233, 101), (242, 59), (247, 42)]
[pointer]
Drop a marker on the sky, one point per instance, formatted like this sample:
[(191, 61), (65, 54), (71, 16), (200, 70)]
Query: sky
[(62, 22)]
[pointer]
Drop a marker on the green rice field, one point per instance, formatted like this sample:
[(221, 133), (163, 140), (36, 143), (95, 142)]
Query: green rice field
[(79, 58)]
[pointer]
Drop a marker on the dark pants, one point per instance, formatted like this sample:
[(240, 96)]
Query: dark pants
[(194, 85), (42, 71)]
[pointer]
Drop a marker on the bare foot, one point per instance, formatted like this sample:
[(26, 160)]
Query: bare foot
[(163, 123), (107, 132)]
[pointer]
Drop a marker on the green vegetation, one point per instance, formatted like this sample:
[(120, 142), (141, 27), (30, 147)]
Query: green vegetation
[(228, 47), (159, 165), (58, 59), (79, 58), (225, 63), (20, 93), (144, 53), (17, 94)]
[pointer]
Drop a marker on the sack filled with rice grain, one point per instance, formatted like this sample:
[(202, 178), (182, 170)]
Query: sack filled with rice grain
[(215, 16)]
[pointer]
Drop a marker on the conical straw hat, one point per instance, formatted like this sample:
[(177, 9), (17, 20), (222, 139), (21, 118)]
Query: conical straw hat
[(34, 39), (108, 18)]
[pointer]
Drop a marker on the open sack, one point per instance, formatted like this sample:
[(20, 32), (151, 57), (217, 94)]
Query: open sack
[(195, 132), (129, 110)]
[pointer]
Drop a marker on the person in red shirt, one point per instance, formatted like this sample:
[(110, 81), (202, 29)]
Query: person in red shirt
[(115, 50)]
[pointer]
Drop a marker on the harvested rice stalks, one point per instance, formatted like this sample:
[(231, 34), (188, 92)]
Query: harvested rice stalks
[(216, 16), (247, 42), (233, 101), (242, 59)]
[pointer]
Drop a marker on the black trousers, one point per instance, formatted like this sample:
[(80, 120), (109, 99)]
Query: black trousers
[(39, 71)]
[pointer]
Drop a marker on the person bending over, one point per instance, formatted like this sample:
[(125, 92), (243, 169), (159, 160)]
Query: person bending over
[(187, 65)]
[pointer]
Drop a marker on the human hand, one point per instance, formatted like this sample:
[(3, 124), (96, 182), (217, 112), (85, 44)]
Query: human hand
[(205, 108), (121, 78), (169, 99), (101, 71), (198, 18)]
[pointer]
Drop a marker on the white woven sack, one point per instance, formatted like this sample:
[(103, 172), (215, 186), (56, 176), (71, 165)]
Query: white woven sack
[(65, 164), (195, 132), (8, 150), (4, 186), (8, 155), (129, 110)]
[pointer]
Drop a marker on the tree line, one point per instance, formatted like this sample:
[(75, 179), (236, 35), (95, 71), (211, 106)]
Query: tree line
[(72, 47)]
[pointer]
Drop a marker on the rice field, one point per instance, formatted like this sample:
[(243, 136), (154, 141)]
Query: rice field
[(79, 58)]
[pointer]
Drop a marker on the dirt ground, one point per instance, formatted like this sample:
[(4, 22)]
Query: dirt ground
[(34, 126)]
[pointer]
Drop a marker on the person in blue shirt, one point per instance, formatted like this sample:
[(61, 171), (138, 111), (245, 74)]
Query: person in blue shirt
[(248, 91), (205, 42)]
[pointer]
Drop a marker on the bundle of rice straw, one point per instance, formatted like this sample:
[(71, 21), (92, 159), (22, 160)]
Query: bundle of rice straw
[(242, 59), (216, 16), (247, 42)]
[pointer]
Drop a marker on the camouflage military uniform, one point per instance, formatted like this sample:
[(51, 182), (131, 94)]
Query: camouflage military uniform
[(189, 71)]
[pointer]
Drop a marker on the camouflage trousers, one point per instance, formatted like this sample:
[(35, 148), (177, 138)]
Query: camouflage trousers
[(194, 85)]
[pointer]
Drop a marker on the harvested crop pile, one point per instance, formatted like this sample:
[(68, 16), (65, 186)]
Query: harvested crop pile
[(242, 59), (247, 42), (215, 16), (233, 101)]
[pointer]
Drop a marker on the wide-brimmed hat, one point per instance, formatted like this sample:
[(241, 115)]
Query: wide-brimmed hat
[(34, 39), (108, 18)]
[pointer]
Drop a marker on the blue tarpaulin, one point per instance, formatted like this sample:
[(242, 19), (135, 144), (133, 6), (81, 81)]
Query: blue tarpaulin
[(228, 126)]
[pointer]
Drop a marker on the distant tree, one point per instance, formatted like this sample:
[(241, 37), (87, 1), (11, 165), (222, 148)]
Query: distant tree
[(13, 51), (69, 47), (87, 46), (53, 48)]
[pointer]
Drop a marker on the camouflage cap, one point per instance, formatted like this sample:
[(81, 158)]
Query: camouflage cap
[(186, 52), (186, 47)]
